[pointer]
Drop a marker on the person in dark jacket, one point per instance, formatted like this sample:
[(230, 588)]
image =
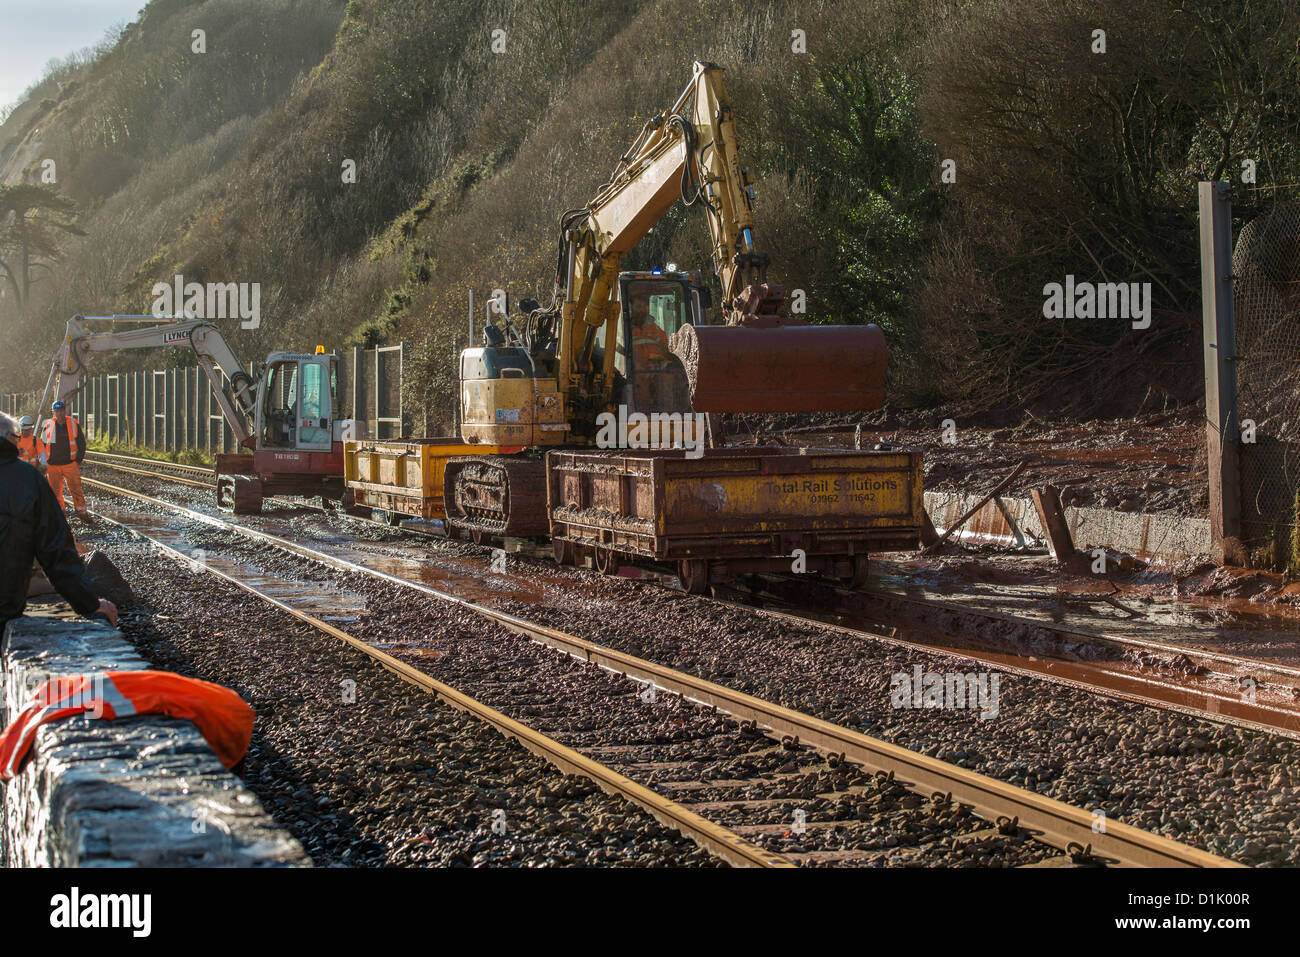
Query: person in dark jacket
[(32, 526)]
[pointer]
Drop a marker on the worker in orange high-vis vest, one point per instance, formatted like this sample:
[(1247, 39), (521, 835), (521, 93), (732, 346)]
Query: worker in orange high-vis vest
[(30, 448), (223, 718), (649, 343), (66, 447), (650, 354)]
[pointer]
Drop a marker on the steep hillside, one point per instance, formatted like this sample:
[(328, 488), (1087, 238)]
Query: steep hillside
[(229, 166)]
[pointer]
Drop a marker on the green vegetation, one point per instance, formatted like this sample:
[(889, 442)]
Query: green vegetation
[(228, 166)]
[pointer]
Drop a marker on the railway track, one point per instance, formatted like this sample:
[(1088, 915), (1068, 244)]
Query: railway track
[(743, 774), (1218, 687), (1227, 689)]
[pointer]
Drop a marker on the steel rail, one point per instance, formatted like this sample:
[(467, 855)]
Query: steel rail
[(1232, 710), (1142, 644), (149, 473), (719, 841), (161, 463), (1070, 829), (1219, 707)]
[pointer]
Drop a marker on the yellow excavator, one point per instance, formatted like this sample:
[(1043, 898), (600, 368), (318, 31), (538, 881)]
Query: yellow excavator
[(543, 380), (534, 456)]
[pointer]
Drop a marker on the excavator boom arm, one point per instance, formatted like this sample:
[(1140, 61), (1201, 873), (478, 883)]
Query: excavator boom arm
[(691, 152), (214, 354)]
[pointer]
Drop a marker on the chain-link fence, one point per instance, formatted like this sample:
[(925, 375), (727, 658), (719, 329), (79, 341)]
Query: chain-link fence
[(1266, 303)]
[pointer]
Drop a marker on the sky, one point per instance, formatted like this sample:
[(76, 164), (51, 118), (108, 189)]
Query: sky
[(33, 32)]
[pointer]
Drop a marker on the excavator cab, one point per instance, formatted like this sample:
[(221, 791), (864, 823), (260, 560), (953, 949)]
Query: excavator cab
[(653, 307), (299, 402)]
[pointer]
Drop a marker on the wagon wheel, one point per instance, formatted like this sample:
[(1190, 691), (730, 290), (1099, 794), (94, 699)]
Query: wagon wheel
[(605, 560), (694, 574), (564, 553), (478, 536)]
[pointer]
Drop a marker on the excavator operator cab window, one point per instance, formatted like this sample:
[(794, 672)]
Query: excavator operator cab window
[(654, 309), (313, 410), (281, 396), (298, 407)]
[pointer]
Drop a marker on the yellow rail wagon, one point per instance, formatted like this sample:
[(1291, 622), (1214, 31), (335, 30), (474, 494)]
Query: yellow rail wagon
[(404, 476)]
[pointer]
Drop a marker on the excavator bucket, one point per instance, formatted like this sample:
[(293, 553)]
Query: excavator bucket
[(783, 368)]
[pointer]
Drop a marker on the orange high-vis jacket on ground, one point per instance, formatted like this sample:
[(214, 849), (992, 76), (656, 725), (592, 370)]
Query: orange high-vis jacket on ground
[(222, 716)]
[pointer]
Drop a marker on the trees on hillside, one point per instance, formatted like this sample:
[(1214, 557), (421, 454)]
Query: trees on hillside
[(34, 220)]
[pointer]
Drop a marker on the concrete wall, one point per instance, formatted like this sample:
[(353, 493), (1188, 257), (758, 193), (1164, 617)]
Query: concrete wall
[(145, 791), (1142, 534)]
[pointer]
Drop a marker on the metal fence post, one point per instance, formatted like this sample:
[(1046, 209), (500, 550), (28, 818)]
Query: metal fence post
[(169, 409), (150, 409), (1218, 331), (203, 439), (165, 410), (352, 381), (403, 427), (182, 387)]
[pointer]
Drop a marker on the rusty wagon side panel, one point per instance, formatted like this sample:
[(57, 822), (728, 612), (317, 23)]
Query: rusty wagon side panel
[(736, 504)]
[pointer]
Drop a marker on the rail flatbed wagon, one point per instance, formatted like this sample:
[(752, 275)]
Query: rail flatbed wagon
[(404, 476), (731, 512)]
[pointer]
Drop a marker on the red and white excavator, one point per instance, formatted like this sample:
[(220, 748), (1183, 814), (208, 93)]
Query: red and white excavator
[(286, 413)]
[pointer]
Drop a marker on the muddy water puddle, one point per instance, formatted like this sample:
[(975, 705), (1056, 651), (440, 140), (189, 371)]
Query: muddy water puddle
[(1033, 589), (317, 599)]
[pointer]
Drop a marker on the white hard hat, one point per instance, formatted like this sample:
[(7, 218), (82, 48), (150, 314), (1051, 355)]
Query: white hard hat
[(25, 422)]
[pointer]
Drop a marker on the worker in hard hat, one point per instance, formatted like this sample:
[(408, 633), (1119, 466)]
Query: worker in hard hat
[(66, 447), (30, 448)]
